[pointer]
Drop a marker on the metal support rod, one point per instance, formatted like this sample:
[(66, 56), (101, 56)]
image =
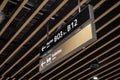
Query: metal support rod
[(47, 31), (79, 9)]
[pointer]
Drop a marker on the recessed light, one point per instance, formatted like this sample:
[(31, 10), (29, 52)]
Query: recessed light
[(95, 78)]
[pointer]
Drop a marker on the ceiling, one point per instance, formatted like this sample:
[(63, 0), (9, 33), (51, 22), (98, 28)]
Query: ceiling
[(25, 28)]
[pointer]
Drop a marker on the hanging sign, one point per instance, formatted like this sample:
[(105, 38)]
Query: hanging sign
[(75, 39), (75, 23)]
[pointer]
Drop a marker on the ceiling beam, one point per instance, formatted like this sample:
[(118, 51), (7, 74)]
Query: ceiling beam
[(100, 67), (29, 72), (109, 78), (2, 6), (94, 8), (81, 51), (97, 30), (20, 30), (85, 58), (8, 78), (66, 17), (98, 4), (110, 21), (108, 11), (13, 17), (89, 62), (33, 76), (32, 34), (108, 70), (100, 27), (84, 50), (28, 64), (117, 78), (58, 24)]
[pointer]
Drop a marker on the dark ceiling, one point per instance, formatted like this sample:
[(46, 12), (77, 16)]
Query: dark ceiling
[(25, 28)]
